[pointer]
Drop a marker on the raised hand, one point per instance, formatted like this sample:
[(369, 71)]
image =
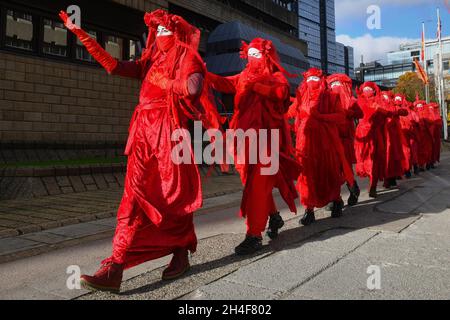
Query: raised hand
[(67, 21)]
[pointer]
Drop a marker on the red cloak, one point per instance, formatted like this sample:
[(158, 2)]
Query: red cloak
[(319, 148), (370, 142), (261, 100), (398, 154)]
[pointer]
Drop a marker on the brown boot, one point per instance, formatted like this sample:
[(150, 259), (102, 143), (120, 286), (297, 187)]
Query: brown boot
[(108, 278), (178, 266)]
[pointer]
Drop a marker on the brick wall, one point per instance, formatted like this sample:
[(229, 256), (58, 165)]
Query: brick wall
[(46, 101)]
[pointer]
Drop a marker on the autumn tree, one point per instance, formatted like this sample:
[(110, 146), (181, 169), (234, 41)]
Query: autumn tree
[(410, 84)]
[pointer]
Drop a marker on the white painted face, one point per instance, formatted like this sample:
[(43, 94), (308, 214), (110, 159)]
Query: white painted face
[(336, 84), (368, 89), (313, 78), (398, 99), (163, 32), (254, 53), (420, 105), (385, 96)]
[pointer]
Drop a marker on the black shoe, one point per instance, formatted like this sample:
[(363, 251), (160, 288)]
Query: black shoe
[(416, 170), (355, 192), (308, 218), (373, 193), (393, 182), (428, 167), (275, 223), (337, 209), (408, 174), (432, 166), (249, 246)]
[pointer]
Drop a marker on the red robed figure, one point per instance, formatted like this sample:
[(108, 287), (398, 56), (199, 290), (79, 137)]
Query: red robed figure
[(318, 114), (425, 154), (155, 217), (370, 142), (261, 102)]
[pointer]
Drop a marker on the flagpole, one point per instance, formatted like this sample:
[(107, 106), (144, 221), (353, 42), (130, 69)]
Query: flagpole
[(441, 79), (425, 65)]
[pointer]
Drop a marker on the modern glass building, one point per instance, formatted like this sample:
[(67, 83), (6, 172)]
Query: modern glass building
[(317, 26)]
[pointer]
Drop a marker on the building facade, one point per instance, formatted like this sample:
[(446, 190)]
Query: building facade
[(52, 92), (317, 26)]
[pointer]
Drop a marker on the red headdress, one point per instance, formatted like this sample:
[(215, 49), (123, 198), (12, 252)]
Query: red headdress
[(369, 84), (269, 53), (343, 79), (187, 37)]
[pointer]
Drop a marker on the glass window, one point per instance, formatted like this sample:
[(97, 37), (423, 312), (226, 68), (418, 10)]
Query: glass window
[(114, 46), (81, 53), (135, 50), (19, 30), (55, 38)]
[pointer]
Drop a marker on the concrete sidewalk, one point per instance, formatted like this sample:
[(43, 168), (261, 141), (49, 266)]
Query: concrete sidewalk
[(404, 233), (41, 225), (18, 217)]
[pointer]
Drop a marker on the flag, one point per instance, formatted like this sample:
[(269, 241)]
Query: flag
[(420, 72), (422, 54)]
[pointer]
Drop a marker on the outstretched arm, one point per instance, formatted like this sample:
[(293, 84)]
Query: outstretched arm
[(92, 46), (223, 84)]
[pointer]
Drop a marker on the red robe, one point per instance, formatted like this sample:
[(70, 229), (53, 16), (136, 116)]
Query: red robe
[(425, 153), (398, 155), (319, 148), (156, 212), (435, 116), (370, 142), (410, 128), (262, 107)]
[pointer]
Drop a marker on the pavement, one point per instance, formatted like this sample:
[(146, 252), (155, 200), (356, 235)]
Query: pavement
[(403, 236), (28, 216)]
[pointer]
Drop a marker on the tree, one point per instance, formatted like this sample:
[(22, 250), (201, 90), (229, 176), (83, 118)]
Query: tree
[(410, 84)]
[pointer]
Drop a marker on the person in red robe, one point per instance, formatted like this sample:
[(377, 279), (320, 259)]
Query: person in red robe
[(155, 217), (318, 114), (341, 84), (426, 141), (410, 128), (397, 156), (261, 101), (370, 142), (435, 116)]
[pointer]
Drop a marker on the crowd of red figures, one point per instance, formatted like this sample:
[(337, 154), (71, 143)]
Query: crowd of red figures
[(383, 134)]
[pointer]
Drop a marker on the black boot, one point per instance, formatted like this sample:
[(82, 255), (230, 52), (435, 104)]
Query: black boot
[(249, 246), (432, 166), (393, 182), (373, 192), (308, 218), (337, 209), (428, 167), (355, 192), (275, 223), (416, 170), (408, 174)]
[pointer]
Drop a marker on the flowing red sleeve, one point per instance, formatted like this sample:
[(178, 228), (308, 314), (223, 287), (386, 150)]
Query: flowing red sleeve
[(223, 84), (292, 112), (355, 111), (131, 69)]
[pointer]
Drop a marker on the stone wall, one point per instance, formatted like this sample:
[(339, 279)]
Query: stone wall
[(45, 101)]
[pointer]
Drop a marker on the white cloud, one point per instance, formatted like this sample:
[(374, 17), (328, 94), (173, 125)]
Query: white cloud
[(373, 48)]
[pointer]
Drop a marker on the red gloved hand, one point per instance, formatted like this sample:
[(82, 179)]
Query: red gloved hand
[(92, 46)]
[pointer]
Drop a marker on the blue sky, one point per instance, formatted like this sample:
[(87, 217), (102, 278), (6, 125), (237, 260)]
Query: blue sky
[(401, 21)]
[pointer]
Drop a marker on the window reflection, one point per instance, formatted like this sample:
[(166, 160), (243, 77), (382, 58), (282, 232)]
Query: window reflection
[(19, 30), (55, 38), (114, 46)]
